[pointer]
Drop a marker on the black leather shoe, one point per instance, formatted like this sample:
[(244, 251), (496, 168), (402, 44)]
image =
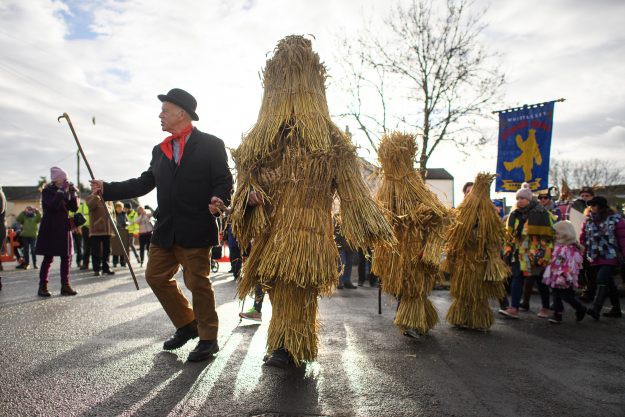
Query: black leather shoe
[(182, 336), (350, 286), (205, 349), (412, 333), (97, 274), (110, 272), (279, 358)]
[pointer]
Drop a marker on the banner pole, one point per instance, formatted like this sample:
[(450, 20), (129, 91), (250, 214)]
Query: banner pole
[(529, 106)]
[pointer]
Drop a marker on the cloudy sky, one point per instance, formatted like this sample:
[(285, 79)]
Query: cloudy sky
[(109, 59)]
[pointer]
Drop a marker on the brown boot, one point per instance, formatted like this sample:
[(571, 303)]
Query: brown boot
[(43, 291), (67, 289)]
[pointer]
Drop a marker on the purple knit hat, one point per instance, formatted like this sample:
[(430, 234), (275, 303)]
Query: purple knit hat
[(57, 173)]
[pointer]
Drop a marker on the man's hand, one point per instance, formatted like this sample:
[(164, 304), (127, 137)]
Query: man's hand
[(97, 186), (255, 199), (216, 206)]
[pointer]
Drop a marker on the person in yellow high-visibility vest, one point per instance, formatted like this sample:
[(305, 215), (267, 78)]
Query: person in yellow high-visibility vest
[(86, 246), (133, 226)]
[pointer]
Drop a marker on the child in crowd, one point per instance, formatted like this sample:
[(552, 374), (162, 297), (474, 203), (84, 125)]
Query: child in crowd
[(561, 274)]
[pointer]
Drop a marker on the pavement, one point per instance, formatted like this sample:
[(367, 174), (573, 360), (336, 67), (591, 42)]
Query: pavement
[(99, 354)]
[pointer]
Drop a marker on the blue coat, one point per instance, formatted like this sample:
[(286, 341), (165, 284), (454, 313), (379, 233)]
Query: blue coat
[(55, 238)]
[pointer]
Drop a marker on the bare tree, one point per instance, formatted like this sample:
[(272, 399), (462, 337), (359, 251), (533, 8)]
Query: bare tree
[(560, 170), (441, 81), (589, 172), (359, 87)]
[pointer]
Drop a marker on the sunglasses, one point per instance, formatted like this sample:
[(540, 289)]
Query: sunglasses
[(543, 197)]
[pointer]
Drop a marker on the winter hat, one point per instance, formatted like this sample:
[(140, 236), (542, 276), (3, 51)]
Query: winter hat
[(598, 201), (57, 173), (587, 190), (525, 192), (565, 232)]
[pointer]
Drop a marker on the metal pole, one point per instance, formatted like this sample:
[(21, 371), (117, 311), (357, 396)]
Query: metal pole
[(78, 171), (82, 153), (529, 106)]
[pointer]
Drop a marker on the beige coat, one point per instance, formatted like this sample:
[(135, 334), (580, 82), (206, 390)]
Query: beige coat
[(99, 223)]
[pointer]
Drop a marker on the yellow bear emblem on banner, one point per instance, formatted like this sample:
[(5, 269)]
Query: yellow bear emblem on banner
[(529, 153)]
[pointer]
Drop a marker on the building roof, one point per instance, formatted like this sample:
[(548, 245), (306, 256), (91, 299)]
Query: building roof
[(438, 174), (432, 173), (21, 192)]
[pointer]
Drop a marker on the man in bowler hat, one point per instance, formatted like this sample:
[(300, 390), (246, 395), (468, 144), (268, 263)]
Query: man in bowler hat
[(193, 184)]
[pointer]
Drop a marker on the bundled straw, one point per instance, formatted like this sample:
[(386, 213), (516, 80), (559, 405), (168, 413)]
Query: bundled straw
[(297, 159), (410, 269), (474, 258)]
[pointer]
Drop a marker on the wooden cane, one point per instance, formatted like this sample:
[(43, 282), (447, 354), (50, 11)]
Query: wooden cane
[(84, 158)]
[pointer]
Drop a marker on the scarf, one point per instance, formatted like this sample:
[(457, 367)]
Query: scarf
[(167, 144), (537, 219)]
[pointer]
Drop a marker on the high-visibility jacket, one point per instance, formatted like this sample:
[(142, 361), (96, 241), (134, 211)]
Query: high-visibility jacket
[(133, 226), (83, 209)]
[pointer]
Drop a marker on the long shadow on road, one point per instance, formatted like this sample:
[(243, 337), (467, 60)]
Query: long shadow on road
[(154, 393)]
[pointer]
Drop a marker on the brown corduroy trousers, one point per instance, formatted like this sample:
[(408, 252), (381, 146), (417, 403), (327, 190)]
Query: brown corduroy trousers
[(163, 263)]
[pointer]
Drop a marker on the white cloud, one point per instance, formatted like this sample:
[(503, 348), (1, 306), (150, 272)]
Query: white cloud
[(216, 49)]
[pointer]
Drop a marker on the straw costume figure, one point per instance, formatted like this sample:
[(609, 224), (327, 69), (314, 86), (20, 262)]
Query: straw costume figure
[(295, 160), (474, 258), (410, 269)]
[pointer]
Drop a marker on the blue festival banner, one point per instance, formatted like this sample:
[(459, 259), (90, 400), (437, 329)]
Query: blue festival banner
[(524, 147)]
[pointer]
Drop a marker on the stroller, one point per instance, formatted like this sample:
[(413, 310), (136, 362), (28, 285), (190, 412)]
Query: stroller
[(215, 254)]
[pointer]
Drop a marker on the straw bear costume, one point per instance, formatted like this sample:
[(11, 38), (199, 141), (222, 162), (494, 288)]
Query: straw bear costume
[(410, 269), (298, 160)]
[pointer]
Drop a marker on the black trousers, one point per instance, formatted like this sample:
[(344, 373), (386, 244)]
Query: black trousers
[(144, 244), (77, 247), (86, 245), (565, 294), (100, 252)]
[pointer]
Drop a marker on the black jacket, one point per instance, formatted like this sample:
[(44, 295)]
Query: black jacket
[(183, 192)]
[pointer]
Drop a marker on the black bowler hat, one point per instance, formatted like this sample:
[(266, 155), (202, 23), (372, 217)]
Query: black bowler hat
[(182, 99), (597, 201)]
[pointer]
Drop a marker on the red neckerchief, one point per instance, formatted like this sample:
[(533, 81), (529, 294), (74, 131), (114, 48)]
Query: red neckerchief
[(167, 145)]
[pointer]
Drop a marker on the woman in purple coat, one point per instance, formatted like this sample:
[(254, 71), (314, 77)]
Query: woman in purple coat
[(55, 239)]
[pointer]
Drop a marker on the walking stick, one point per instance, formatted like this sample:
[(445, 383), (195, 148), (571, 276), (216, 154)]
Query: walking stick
[(379, 298), (84, 158), (134, 251)]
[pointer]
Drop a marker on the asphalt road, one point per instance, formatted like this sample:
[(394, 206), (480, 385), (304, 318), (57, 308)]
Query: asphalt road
[(99, 354)]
